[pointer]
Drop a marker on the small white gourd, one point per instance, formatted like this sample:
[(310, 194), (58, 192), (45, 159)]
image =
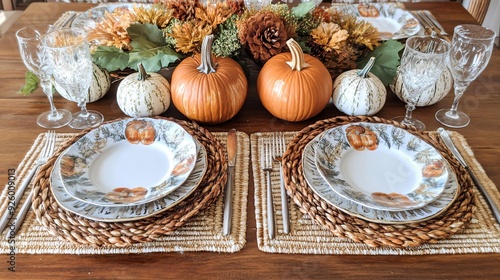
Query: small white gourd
[(358, 92), (98, 88), (426, 97), (143, 94)]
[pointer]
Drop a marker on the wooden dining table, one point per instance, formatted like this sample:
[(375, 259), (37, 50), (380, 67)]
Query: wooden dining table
[(18, 129)]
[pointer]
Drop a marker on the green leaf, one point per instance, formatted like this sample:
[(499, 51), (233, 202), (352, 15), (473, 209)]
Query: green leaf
[(303, 8), (386, 60), (31, 83), (111, 58), (153, 59), (145, 36)]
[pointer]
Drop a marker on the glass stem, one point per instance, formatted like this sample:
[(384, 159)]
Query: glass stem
[(82, 104), (459, 91), (47, 89), (408, 115)]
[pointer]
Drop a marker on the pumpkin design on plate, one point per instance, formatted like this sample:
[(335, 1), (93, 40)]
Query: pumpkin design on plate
[(367, 10), (72, 165), (183, 166), (391, 199), (434, 169), (361, 138), (140, 131), (126, 195)]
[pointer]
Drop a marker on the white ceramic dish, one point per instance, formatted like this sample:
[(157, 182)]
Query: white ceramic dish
[(323, 189), (381, 166), (129, 213), (128, 162), (387, 18)]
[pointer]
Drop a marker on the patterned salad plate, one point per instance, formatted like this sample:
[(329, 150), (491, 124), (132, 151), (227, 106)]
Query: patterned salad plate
[(381, 166), (318, 184), (129, 162), (387, 18), (134, 212)]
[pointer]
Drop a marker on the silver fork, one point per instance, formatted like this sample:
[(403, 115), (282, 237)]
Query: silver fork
[(267, 166), (46, 153), (279, 149)]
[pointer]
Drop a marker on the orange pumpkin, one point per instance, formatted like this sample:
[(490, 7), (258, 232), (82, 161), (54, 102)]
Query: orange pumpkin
[(208, 89), (294, 86)]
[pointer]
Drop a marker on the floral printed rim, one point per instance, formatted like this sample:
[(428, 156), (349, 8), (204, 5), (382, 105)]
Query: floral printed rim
[(87, 174), (402, 17), (134, 212), (407, 158), (316, 182)]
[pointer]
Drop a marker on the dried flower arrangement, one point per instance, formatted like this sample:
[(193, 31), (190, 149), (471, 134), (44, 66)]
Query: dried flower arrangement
[(160, 34)]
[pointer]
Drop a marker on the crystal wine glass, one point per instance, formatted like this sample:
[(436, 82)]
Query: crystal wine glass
[(470, 52), (68, 53), (31, 50), (423, 61)]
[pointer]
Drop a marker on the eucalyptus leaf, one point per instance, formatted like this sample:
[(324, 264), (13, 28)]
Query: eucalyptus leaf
[(386, 60), (303, 8)]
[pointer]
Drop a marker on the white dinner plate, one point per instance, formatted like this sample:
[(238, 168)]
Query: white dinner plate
[(387, 18), (381, 166), (128, 162), (323, 190), (129, 213), (88, 19)]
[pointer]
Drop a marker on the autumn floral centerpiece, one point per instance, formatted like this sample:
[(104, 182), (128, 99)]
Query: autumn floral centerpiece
[(169, 30)]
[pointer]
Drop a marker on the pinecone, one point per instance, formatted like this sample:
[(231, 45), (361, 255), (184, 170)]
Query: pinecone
[(183, 10), (264, 34)]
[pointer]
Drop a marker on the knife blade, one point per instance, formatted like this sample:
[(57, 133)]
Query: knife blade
[(228, 193), (435, 22), (447, 141), (434, 25)]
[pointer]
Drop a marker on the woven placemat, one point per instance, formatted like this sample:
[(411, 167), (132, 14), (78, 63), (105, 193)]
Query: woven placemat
[(179, 229), (319, 228)]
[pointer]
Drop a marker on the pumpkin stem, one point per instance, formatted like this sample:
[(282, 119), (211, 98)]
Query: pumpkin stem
[(207, 65), (142, 75), (364, 72), (298, 62)]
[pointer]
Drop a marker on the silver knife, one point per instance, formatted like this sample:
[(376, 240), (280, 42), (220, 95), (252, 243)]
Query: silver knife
[(228, 193), (435, 22), (447, 141)]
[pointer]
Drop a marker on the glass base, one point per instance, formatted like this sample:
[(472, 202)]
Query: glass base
[(416, 123), (93, 118), (457, 120), (47, 121)]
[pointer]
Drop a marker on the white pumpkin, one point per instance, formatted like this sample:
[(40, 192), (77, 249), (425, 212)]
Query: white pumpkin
[(100, 85), (427, 97), (143, 94), (358, 92)]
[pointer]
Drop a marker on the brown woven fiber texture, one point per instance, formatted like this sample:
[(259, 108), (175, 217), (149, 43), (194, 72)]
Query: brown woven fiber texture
[(195, 224), (317, 227)]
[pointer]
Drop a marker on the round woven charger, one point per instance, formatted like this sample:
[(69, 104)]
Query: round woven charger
[(454, 219), (80, 230)]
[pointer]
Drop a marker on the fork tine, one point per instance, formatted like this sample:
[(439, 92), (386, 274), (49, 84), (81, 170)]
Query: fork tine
[(48, 149)]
